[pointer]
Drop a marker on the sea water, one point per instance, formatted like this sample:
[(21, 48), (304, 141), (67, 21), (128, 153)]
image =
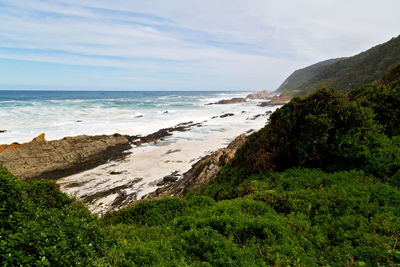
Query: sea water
[(26, 114)]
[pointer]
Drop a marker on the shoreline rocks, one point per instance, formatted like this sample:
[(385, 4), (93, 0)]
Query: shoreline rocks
[(201, 172), (259, 95), (229, 101), (59, 158), (160, 134)]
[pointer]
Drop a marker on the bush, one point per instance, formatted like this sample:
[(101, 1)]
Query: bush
[(327, 130), (39, 225)]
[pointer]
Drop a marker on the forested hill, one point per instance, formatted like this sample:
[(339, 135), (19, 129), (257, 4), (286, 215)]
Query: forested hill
[(344, 74)]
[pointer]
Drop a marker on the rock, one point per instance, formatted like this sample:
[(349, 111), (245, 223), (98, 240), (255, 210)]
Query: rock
[(115, 172), (259, 95), (226, 115), (39, 138), (170, 178), (170, 151), (229, 101), (263, 104), (276, 101), (260, 115), (160, 134), (201, 172), (59, 158)]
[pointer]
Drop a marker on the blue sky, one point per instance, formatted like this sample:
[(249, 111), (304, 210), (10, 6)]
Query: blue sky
[(180, 45)]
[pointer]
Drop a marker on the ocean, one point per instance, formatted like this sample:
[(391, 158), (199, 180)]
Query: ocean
[(26, 114)]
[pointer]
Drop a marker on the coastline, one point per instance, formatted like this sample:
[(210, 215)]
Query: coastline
[(135, 167)]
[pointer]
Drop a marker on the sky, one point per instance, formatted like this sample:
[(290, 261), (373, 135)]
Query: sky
[(243, 45)]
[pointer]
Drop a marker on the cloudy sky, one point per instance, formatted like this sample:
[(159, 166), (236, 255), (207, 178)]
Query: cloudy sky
[(180, 44)]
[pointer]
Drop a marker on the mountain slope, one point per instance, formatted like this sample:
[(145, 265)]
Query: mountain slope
[(345, 74), (301, 76)]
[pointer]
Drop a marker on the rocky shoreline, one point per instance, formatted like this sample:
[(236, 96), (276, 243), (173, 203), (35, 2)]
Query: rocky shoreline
[(201, 172), (60, 158), (72, 156), (55, 159)]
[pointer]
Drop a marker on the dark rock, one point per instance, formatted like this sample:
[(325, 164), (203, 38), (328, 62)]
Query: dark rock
[(260, 115), (226, 115), (229, 101), (254, 117), (170, 151), (170, 178), (175, 173), (109, 191), (263, 104), (161, 183), (160, 134), (115, 172)]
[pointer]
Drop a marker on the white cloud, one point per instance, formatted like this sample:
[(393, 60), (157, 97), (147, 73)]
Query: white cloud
[(240, 44)]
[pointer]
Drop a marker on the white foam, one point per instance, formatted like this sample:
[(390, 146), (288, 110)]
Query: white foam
[(152, 162)]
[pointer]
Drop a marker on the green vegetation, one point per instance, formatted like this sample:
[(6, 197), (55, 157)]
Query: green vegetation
[(346, 73), (318, 186), (39, 225)]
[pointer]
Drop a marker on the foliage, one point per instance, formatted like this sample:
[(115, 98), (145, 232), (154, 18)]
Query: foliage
[(42, 226), (318, 186), (347, 73), (327, 130), (384, 101)]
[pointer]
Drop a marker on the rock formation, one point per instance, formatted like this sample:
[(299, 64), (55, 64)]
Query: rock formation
[(201, 172), (259, 95), (160, 134), (229, 101), (54, 159)]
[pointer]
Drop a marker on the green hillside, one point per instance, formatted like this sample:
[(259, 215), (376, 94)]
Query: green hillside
[(346, 73), (318, 186)]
